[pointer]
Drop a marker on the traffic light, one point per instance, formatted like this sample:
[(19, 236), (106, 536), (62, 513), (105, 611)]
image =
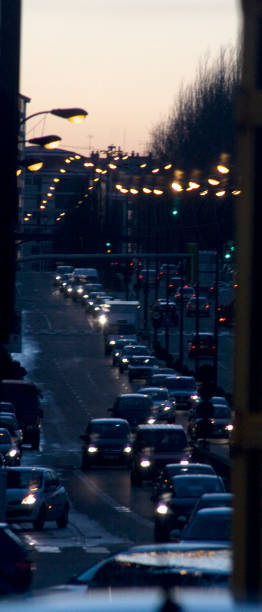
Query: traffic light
[(176, 206), (108, 247), (174, 212), (229, 249)]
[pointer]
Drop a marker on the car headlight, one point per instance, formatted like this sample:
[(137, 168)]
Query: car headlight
[(30, 499), (151, 421), (124, 360), (12, 452), (92, 449), (229, 427), (102, 319), (127, 449), (116, 354), (69, 289), (96, 308), (166, 408), (58, 277), (91, 303), (194, 397), (112, 342), (145, 463), (80, 290), (162, 509), (184, 462)]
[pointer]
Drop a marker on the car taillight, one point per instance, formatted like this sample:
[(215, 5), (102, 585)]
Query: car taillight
[(207, 306), (222, 319), (171, 285), (140, 276), (193, 346), (213, 347)]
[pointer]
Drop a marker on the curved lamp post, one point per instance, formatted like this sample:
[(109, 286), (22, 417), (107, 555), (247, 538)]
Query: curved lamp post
[(74, 115)]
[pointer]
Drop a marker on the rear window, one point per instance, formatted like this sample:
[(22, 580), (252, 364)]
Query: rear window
[(109, 430), (162, 440), (196, 487), (221, 412), (180, 383), (135, 402)]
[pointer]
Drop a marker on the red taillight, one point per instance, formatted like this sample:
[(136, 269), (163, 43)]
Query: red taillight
[(222, 319), (193, 295), (140, 276), (178, 295), (171, 285), (207, 306), (193, 346), (213, 347)]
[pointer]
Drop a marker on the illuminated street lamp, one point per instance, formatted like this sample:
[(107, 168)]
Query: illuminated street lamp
[(48, 142), (74, 115)]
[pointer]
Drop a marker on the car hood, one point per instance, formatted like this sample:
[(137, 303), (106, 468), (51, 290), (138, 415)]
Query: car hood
[(13, 495), (110, 442)]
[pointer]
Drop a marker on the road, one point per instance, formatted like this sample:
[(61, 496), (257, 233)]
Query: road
[(64, 354)]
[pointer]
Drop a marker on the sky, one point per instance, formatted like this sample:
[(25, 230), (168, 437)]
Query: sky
[(122, 60)]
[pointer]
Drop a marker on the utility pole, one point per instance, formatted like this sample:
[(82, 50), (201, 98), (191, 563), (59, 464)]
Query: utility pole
[(247, 448), (10, 13)]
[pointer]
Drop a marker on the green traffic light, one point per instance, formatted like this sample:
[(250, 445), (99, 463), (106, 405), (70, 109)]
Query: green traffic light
[(108, 244), (227, 255), (175, 211)]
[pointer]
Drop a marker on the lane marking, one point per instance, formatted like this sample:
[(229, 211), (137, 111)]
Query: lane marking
[(114, 504)]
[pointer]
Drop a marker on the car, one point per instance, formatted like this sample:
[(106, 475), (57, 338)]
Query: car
[(184, 293), (153, 447), (133, 407), (158, 379), (8, 448), (213, 500), (25, 395), (166, 565), (202, 344), (174, 507), (119, 347), (128, 351), (35, 495), (226, 314), (92, 300), (60, 271), (16, 568), (219, 423), (62, 282), (162, 482), (85, 275), (127, 332), (164, 313), (165, 410), (147, 277), (9, 421), (87, 288), (142, 366), (203, 307), (182, 390), (106, 440), (208, 525), (7, 407)]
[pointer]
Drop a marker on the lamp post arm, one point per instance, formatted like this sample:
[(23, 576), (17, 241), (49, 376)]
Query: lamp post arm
[(33, 115)]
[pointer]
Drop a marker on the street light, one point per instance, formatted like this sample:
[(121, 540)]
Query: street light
[(74, 115), (48, 142)]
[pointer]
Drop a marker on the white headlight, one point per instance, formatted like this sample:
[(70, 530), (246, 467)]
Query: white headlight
[(124, 360), (29, 499), (184, 462), (69, 289), (127, 449), (145, 463), (102, 319), (229, 427), (112, 341), (151, 421), (162, 509), (57, 277), (80, 290), (166, 408), (92, 449), (12, 452)]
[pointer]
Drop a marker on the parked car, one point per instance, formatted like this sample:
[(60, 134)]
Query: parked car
[(35, 495), (203, 307), (24, 395), (154, 446), (8, 449), (16, 568), (106, 441), (202, 344), (174, 508), (182, 391), (133, 407), (142, 367)]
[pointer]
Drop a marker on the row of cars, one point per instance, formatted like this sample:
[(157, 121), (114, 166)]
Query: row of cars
[(141, 433)]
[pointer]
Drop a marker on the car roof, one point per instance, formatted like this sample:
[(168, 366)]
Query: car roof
[(178, 377), (217, 511), (194, 465), (181, 556), (192, 477), (134, 395), (217, 496), (145, 389), (160, 426), (26, 468), (109, 420)]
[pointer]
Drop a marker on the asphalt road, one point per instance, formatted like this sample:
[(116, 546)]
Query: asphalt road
[(64, 354)]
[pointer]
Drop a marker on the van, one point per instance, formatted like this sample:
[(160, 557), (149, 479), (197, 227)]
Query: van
[(85, 275), (202, 345), (25, 398)]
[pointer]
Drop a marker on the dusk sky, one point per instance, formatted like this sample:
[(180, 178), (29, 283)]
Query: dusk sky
[(121, 60)]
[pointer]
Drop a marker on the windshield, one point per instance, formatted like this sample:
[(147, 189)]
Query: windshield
[(162, 440), (221, 412), (109, 430), (147, 361), (24, 479), (180, 383), (135, 402)]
